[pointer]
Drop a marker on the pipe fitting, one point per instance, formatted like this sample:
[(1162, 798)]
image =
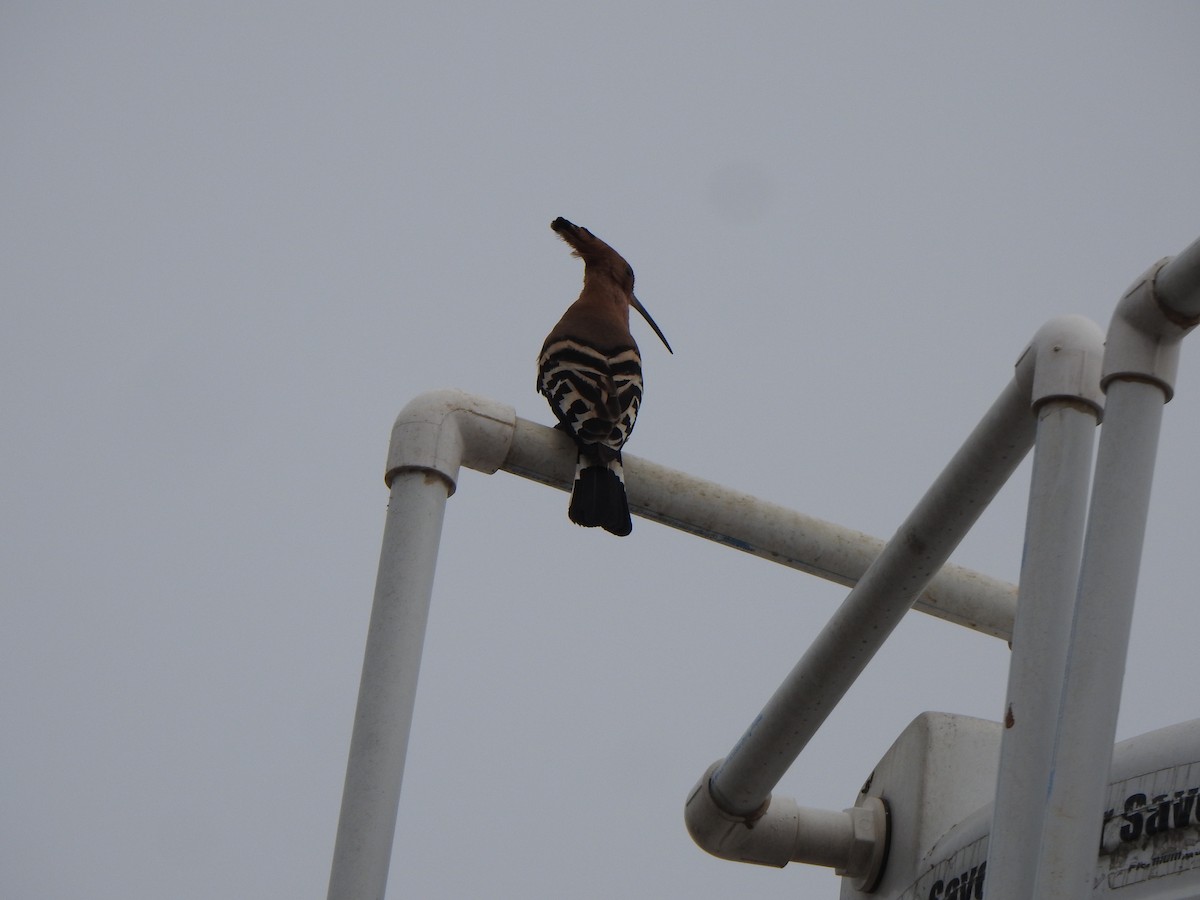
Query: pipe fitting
[(871, 823), (1177, 285), (853, 842), (1065, 356), (765, 837), (1144, 335), (440, 431)]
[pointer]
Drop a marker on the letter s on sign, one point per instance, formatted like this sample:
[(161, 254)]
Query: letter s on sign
[(1132, 829)]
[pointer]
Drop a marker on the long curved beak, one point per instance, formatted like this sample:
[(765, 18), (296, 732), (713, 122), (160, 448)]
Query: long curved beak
[(637, 304)]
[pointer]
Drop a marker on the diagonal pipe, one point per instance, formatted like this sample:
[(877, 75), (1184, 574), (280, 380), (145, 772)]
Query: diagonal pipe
[(731, 811)]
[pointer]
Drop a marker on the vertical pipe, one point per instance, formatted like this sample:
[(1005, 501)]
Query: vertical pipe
[(1054, 527), (876, 605), (1099, 642), (389, 684)]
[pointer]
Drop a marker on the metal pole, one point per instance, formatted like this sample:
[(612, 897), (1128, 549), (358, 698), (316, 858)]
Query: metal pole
[(1095, 666), (1058, 497), (876, 604), (388, 688)]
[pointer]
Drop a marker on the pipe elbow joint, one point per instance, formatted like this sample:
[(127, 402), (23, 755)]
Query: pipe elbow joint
[(1063, 363), (1144, 336), (853, 842), (440, 431), (766, 837)]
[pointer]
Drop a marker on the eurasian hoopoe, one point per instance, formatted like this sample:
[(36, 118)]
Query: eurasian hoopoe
[(591, 373)]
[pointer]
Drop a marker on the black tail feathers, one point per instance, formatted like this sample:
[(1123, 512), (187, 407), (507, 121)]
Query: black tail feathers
[(598, 499)]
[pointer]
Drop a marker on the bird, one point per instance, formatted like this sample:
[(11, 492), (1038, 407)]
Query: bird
[(590, 371)]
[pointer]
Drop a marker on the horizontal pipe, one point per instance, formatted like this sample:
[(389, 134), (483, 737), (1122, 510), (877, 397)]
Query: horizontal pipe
[(763, 529)]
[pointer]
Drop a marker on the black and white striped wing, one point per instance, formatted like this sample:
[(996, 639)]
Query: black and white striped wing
[(593, 394)]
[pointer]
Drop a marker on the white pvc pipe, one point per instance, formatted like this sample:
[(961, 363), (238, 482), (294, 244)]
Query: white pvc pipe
[(1095, 667), (1059, 373), (388, 688), (1058, 498), (766, 530), (852, 841), (1140, 363), (440, 431), (1177, 284), (876, 604)]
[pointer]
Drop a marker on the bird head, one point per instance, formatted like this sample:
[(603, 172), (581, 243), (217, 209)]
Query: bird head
[(599, 259)]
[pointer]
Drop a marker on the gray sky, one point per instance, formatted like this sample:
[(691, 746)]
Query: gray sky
[(236, 239)]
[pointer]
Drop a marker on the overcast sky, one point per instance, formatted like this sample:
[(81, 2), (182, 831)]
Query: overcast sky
[(237, 238)]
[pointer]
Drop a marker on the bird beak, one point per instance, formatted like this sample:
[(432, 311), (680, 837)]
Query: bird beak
[(637, 304)]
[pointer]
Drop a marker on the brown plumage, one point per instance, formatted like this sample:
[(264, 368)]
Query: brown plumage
[(591, 373)]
